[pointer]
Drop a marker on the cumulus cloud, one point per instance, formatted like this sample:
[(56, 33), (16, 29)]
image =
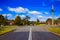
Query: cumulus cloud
[(35, 12), (27, 10), (16, 14), (18, 9), (23, 10), (40, 16), (46, 12), (55, 17), (1, 9), (9, 15), (22, 15), (32, 19), (49, 17), (4, 14)]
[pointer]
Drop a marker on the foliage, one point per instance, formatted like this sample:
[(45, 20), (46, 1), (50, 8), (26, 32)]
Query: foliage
[(26, 20), (38, 20), (2, 19), (17, 20), (55, 22), (50, 20), (58, 20)]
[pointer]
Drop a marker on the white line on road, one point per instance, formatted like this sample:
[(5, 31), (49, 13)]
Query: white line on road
[(30, 34)]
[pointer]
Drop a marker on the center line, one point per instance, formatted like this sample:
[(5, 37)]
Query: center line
[(30, 34)]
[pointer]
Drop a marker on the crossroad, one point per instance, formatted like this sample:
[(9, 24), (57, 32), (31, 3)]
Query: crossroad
[(30, 33)]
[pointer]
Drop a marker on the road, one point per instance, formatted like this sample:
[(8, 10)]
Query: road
[(30, 33)]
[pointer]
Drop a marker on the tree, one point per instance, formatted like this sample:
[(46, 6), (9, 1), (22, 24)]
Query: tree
[(2, 19), (26, 20), (49, 21), (38, 22), (58, 20), (55, 22), (17, 20)]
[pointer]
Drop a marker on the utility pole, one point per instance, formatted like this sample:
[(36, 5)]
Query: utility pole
[(52, 15)]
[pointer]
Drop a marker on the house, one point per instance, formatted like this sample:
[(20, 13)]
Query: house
[(49, 22), (10, 22)]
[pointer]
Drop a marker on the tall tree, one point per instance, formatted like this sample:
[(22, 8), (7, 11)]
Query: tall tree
[(37, 21), (2, 19), (17, 20), (26, 20), (58, 20), (55, 22), (49, 21)]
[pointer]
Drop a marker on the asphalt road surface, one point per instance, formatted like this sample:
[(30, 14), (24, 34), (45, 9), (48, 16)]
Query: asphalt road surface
[(30, 33)]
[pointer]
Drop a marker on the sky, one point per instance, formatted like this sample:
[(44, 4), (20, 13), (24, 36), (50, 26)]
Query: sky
[(35, 9)]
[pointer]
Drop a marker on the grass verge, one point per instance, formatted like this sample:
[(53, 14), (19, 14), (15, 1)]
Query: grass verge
[(7, 29), (55, 30), (41, 25)]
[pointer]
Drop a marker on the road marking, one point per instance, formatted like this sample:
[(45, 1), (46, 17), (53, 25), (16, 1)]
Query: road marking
[(30, 34)]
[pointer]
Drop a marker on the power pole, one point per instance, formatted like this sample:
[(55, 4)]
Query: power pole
[(52, 15)]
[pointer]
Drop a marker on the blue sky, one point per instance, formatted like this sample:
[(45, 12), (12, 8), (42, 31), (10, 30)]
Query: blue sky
[(40, 9)]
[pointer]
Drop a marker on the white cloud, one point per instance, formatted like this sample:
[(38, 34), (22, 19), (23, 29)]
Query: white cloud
[(16, 14), (8, 15), (34, 12), (55, 17), (23, 10), (18, 9), (46, 12), (40, 16), (1, 9), (26, 9), (49, 17), (4, 14), (32, 19), (22, 15)]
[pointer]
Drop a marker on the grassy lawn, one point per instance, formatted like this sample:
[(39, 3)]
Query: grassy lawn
[(41, 25), (6, 29), (55, 30)]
